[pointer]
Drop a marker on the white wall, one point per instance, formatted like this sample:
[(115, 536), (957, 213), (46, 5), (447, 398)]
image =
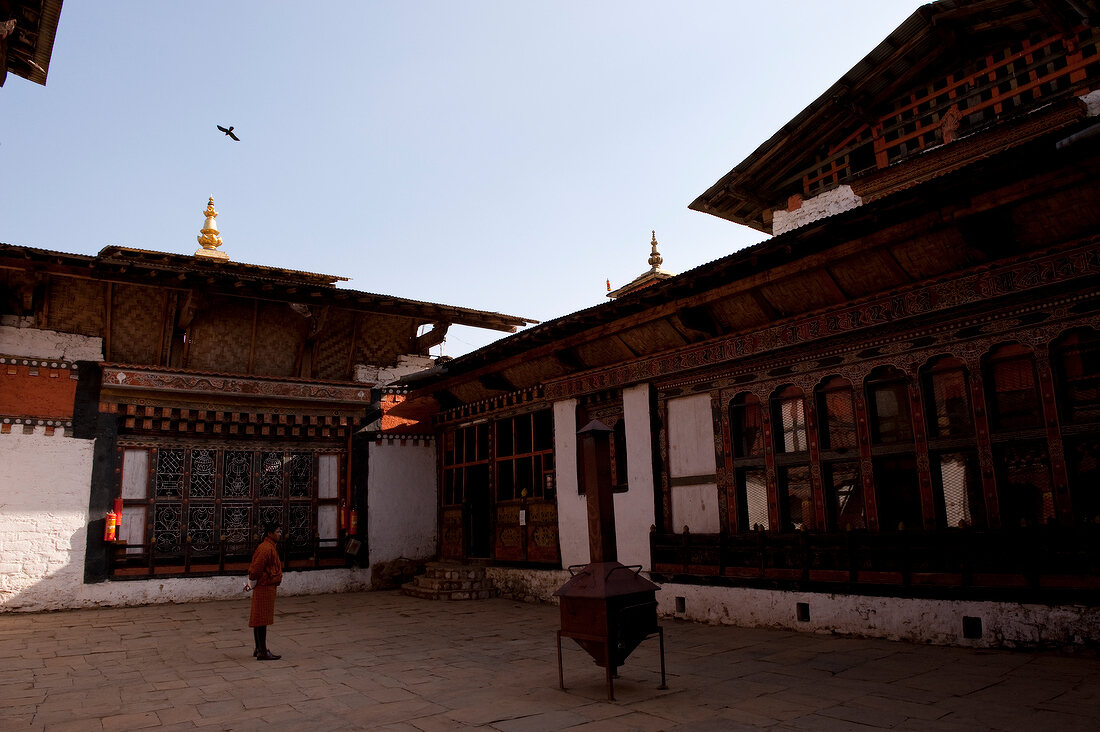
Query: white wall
[(401, 500), (634, 509), (43, 518), (691, 453), (1004, 624), (572, 509), (49, 344), (43, 538)]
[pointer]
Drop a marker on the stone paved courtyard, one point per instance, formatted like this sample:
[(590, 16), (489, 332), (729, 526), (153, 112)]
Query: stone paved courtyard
[(382, 660)]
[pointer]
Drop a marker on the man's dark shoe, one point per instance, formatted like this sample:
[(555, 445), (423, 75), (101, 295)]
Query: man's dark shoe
[(268, 656)]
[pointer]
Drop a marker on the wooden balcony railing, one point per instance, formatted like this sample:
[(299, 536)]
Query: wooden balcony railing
[(1038, 562)]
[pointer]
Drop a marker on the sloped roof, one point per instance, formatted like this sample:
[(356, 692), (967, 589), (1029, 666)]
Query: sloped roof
[(124, 264), (931, 43), (26, 50)]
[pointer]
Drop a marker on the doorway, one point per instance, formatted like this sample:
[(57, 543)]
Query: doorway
[(479, 519)]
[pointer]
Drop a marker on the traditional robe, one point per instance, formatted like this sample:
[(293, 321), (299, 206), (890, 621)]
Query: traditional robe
[(265, 572)]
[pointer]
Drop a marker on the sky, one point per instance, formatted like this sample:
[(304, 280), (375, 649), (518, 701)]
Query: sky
[(503, 155)]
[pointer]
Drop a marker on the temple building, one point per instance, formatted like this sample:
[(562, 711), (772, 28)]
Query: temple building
[(199, 397), (883, 420)]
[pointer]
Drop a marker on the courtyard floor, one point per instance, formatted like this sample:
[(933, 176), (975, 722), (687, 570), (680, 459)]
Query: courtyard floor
[(380, 660)]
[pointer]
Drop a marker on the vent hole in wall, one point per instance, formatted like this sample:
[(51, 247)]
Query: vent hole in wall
[(802, 612), (972, 627)]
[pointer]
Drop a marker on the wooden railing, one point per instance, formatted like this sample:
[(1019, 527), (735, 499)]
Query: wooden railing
[(1036, 561), (225, 558)]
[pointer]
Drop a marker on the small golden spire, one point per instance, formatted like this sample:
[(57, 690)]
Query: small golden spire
[(210, 238), (655, 259)]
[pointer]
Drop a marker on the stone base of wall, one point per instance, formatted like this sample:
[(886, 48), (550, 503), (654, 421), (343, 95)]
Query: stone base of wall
[(941, 622), (528, 585), (188, 589)]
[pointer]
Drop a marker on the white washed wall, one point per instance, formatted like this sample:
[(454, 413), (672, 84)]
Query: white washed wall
[(48, 344), (572, 509), (401, 500), (634, 508), (43, 537), (43, 518), (691, 453), (1004, 624)]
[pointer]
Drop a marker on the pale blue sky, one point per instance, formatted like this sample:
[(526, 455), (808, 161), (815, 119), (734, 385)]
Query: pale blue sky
[(503, 155)]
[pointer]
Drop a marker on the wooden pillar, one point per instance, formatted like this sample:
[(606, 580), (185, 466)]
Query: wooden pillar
[(1062, 505), (920, 448), (866, 466), (814, 442), (771, 475), (723, 460), (985, 447)]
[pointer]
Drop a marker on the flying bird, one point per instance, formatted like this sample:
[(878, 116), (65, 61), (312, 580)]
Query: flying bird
[(229, 132)]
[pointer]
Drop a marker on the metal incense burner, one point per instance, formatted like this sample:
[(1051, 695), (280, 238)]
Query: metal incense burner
[(608, 608)]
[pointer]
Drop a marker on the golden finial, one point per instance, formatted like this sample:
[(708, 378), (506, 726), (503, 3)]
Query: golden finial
[(210, 239), (655, 259)]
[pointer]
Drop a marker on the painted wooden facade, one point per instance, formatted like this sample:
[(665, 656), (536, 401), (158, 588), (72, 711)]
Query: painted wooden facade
[(221, 395)]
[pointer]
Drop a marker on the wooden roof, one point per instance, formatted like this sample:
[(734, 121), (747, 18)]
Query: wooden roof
[(990, 58), (27, 29), (226, 277), (962, 222)]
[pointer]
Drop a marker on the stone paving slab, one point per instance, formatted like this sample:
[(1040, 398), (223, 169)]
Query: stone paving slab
[(381, 660)]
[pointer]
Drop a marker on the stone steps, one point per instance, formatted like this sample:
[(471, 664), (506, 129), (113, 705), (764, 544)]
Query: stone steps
[(451, 581)]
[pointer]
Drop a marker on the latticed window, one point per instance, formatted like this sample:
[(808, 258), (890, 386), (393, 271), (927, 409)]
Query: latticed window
[(947, 399), (841, 485), (794, 493), (1024, 488), (789, 419), (1011, 390), (524, 455), (796, 503), (958, 489), (888, 401), (751, 486), (1077, 357), (843, 496), (465, 455), (747, 427), (837, 416), (199, 508), (956, 480)]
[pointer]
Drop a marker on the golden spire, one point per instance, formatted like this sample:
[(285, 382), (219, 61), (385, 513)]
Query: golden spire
[(210, 239), (655, 259)]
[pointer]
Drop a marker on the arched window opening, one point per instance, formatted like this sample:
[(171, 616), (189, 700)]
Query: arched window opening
[(1025, 491), (947, 400), (1077, 368), (750, 482), (1024, 487), (953, 456), (888, 402), (1077, 361), (1011, 390), (795, 497), (789, 419), (837, 415), (840, 476), (897, 488)]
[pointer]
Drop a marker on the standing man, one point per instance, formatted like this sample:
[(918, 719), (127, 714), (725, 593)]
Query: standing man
[(265, 572)]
